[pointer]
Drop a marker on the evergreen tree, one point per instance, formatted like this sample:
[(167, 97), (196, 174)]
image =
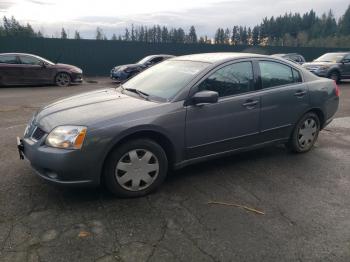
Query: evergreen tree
[(255, 35), (344, 23), (77, 35), (114, 37), (126, 35), (99, 33), (165, 35), (63, 34), (132, 36), (192, 36), (227, 36)]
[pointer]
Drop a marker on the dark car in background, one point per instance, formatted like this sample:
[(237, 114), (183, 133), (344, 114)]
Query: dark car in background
[(124, 72), (28, 69), (332, 65), (182, 111), (294, 57)]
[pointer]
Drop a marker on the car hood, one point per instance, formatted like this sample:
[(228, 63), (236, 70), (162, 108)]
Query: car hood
[(89, 109), (129, 66), (67, 67)]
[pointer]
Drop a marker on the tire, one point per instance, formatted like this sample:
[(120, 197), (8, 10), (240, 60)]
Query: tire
[(136, 168), (62, 79), (335, 75), (305, 133)]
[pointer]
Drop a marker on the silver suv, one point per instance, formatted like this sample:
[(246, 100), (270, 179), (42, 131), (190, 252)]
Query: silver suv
[(332, 65)]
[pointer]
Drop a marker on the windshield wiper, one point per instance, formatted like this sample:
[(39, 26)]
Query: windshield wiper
[(136, 91)]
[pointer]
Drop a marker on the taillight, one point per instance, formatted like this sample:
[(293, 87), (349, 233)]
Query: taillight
[(337, 90)]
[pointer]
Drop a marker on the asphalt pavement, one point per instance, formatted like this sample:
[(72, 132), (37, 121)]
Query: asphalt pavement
[(305, 201)]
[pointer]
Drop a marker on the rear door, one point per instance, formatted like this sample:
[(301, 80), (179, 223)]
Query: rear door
[(10, 70), (232, 122), (34, 70), (284, 98)]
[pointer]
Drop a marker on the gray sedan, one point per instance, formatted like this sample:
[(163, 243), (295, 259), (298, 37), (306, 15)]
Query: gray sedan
[(182, 111)]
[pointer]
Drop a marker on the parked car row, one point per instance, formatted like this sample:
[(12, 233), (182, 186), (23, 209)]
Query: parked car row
[(28, 69), (331, 65), (182, 111)]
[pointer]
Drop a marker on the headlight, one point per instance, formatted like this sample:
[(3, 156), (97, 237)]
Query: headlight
[(323, 67), (68, 137)]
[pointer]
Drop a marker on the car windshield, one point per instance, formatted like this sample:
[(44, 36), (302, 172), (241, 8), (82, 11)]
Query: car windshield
[(45, 60), (330, 57), (166, 79), (144, 60)]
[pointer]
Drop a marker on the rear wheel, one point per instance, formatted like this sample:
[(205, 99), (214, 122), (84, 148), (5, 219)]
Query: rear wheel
[(62, 79), (305, 133), (135, 168), (334, 75)]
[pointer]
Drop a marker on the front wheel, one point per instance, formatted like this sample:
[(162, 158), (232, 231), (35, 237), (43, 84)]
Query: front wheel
[(62, 79), (305, 133), (135, 168), (334, 75)]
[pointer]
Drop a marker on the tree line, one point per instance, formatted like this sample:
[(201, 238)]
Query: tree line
[(289, 29)]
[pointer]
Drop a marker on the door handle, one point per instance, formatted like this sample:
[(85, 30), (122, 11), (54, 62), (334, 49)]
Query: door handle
[(300, 93), (250, 104)]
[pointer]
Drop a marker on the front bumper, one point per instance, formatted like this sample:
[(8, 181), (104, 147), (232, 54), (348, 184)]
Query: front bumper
[(119, 75), (59, 166), (76, 78)]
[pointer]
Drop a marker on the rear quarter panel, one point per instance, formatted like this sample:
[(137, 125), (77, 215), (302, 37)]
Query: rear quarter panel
[(323, 96)]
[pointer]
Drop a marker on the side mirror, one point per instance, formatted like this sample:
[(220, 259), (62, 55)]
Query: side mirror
[(205, 97), (42, 64)]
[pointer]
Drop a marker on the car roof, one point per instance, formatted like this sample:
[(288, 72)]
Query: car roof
[(287, 54), (17, 54), (161, 55), (338, 53), (217, 57)]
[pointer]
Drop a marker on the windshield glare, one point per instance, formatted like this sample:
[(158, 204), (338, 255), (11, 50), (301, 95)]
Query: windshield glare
[(330, 57), (45, 60), (144, 60), (166, 79)]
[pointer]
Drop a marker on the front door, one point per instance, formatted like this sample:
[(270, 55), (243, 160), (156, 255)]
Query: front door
[(346, 67), (232, 122), (35, 71)]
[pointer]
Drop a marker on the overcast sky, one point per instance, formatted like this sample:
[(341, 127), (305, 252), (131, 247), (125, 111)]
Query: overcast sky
[(114, 15)]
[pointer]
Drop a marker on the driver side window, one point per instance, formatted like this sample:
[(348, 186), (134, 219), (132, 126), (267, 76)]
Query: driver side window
[(230, 80), (346, 59), (29, 60)]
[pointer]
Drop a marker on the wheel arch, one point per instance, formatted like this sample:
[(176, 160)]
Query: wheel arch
[(62, 71), (320, 114), (156, 136)]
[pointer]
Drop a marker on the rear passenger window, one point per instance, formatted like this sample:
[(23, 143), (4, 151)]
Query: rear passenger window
[(296, 76), (230, 80), (8, 59), (275, 74)]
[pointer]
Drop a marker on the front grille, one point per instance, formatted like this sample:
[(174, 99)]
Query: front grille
[(38, 133)]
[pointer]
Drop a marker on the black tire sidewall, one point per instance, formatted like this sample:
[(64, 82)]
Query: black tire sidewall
[(294, 142), (114, 157), (335, 73)]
